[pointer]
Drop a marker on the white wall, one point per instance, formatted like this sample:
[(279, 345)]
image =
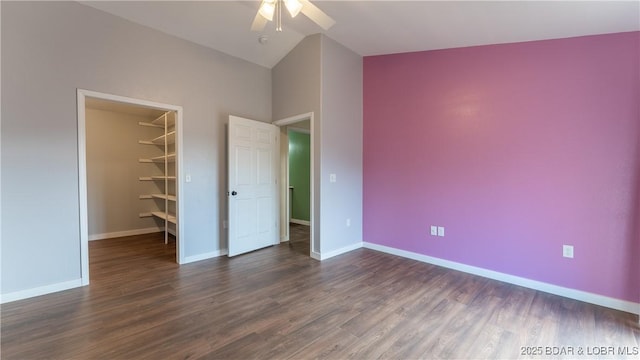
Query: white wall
[(296, 87), (49, 49), (323, 76), (341, 148), (113, 170)]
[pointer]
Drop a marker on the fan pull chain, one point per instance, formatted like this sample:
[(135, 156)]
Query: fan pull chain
[(279, 15)]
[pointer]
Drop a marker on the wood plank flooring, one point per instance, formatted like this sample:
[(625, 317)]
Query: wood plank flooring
[(300, 238), (279, 304)]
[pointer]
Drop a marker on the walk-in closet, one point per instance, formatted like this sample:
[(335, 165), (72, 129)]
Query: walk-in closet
[(131, 171)]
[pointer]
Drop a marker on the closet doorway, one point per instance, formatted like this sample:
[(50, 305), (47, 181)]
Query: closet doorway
[(129, 161), (297, 185)]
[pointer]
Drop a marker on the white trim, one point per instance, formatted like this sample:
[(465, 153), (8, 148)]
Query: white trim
[(340, 251), (0, 166), (312, 182), (579, 295), (299, 130), (292, 120), (41, 290), (129, 100), (117, 234), (82, 190), (205, 256), (82, 170), (284, 238), (179, 150), (300, 222)]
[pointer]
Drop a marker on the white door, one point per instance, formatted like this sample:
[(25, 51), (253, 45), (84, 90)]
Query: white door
[(253, 187)]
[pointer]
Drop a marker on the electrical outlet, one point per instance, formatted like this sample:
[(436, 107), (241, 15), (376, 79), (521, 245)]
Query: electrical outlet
[(440, 230), (567, 251), (187, 178), (332, 178), (434, 230), (348, 222)]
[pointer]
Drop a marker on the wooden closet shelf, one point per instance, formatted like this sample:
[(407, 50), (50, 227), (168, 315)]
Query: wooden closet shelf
[(156, 178), (164, 216), (163, 177), (160, 121), (167, 123), (158, 196), (159, 159), (163, 196), (159, 141), (141, 123)]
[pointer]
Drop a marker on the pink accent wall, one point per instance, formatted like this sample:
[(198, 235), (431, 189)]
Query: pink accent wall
[(515, 149)]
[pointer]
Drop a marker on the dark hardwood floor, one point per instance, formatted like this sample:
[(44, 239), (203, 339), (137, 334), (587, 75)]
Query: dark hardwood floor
[(300, 238), (277, 304)]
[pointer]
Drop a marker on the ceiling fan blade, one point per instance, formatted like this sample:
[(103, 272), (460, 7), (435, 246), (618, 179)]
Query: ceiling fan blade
[(258, 23), (317, 15)]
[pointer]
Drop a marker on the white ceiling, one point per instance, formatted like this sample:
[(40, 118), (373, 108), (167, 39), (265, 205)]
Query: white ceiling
[(380, 27)]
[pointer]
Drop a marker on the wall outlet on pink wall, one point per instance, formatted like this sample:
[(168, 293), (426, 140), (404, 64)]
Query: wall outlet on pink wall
[(567, 251), (518, 147)]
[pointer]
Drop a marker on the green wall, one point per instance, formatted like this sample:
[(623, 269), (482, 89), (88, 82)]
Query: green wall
[(300, 174)]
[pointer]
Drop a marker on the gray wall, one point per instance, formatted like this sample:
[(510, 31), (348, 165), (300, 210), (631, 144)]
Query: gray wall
[(322, 76), (49, 49), (113, 169), (341, 144), (296, 80), (296, 87)]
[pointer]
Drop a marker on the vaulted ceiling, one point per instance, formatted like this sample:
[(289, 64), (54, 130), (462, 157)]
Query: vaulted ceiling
[(379, 27)]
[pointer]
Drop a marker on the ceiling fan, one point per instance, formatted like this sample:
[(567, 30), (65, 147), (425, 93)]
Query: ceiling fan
[(273, 8)]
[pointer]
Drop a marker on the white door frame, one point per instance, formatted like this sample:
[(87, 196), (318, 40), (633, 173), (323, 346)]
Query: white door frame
[(288, 121), (82, 94)]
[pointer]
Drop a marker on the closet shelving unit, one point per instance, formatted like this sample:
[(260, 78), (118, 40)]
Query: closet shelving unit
[(167, 180)]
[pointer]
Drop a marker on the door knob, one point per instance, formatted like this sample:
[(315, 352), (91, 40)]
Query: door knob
[(234, 193)]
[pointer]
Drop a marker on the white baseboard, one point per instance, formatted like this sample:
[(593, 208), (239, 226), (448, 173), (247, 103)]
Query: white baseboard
[(209, 255), (300, 222), (284, 238), (125, 233), (340, 251), (591, 298), (316, 255), (41, 290)]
